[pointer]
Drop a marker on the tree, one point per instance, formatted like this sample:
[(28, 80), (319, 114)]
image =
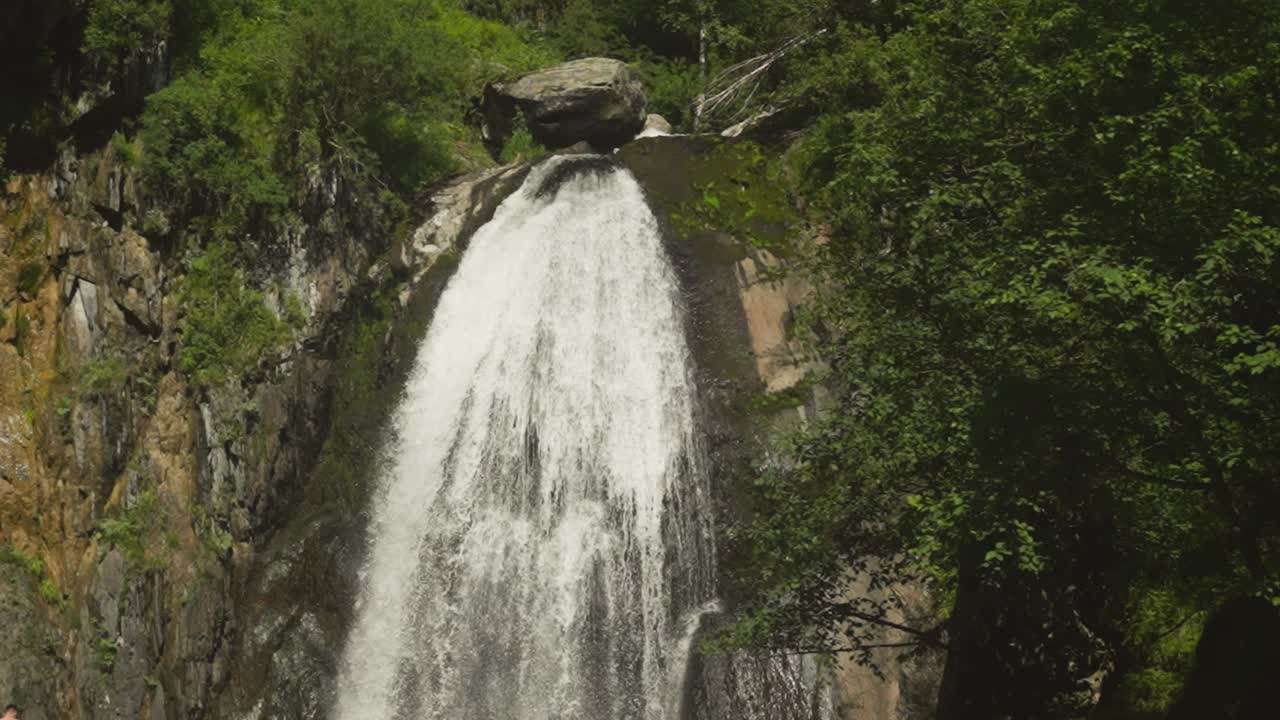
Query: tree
[(1053, 291), (120, 31)]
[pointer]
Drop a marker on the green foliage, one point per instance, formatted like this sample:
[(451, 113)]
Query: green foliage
[(361, 399), (492, 50), (585, 28), (104, 647), (118, 30), (130, 531), (521, 145), (367, 382), (102, 375), (226, 328), (794, 396), (34, 567), (1050, 305), (29, 276), (126, 151), (50, 593), (215, 539), (287, 96), (1166, 630), (741, 195), (671, 86), (11, 555), (210, 151), (295, 315)]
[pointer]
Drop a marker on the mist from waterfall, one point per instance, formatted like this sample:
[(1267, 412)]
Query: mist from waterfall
[(543, 537)]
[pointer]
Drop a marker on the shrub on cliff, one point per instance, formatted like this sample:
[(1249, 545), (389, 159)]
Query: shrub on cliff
[(226, 327), (286, 95)]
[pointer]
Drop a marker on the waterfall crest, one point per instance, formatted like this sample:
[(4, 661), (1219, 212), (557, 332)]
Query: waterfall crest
[(543, 532)]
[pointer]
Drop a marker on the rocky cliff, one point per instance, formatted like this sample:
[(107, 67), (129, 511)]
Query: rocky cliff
[(738, 243), (144, 520)]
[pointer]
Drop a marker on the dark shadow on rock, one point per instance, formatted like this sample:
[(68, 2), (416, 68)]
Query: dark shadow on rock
[(589, 165)]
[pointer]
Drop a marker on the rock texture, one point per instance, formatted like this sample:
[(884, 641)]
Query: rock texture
[(169, 551), (460, 208), (174, 552), (300, 595), (757, 383), (594, 99), (655, 125)]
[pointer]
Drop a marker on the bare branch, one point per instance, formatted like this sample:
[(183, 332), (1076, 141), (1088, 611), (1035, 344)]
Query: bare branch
[(737, 84)]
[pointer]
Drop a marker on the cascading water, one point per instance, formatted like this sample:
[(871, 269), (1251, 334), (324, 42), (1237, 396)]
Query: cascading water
[(543, 537)]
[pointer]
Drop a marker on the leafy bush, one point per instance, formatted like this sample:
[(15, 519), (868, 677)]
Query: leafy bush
[(377, 91), (11, 555), (209, 154), (740, 187), (34, 567), (521, 145), (21, 330), (101, 375), (118, 29), (29, 276), (129, 529), (226, 327), (1050, 303), (672, 86), (104, 647), (125, 150), (216, 540)]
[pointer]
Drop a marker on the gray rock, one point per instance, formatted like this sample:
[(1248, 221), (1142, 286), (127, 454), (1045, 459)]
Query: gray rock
[(28, 663), (594, 99), (657, 123), (772, 122), (460, 207)]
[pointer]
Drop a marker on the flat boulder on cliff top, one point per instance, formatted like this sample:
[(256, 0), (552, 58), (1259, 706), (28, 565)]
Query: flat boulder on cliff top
[(594, 99)]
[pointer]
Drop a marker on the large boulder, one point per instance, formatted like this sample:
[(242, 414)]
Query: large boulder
[(594, 99)]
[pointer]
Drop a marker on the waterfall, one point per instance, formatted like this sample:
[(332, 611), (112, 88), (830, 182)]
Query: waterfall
[(541, 545)]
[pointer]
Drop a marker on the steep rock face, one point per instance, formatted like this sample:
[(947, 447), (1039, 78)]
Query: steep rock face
[(300, 594), (31, 664), (139, 514), (757, 383), (594, 99), (99, 459)]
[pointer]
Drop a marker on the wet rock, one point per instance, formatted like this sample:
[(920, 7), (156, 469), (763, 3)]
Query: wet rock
[(83, 309), (579, 148), (116, 647), (594, 99), (740, 304), (459, 208), (28, 660), (302, 594)]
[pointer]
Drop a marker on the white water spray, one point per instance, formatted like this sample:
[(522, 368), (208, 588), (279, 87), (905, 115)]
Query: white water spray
[(544, 532)]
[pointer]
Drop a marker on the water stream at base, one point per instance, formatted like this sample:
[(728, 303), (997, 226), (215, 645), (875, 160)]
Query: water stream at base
[(542, 545)]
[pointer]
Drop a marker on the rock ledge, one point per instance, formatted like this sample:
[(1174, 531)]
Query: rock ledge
[(594, 99)]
